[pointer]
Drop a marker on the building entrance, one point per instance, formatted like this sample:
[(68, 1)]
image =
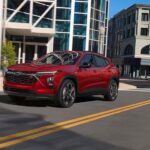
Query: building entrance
[(27, 52)]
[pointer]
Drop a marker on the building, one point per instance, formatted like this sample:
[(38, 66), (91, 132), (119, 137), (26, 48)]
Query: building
[(129, 41), (37, 27)]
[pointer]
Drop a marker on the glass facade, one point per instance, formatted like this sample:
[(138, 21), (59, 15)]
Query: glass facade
[(83, 24), (97, 21), (80, 25), (63, 18), (75, 25)]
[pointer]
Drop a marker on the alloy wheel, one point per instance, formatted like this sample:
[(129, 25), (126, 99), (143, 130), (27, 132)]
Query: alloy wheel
[(113, 90), (68, 93)]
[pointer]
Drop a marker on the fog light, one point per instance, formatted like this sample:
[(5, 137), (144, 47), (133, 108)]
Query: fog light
[(50, 81)]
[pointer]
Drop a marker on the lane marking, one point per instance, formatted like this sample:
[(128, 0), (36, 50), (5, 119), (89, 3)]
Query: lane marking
[(24, 133), (43, 131)]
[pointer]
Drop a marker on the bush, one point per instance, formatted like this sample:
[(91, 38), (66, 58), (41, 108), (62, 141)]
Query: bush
[(8, 54)]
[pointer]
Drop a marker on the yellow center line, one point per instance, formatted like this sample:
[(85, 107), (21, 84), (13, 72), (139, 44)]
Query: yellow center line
[(36, 133), (20, 134)]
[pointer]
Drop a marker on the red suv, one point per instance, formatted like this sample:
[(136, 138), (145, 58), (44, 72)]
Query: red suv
[(62, 76)]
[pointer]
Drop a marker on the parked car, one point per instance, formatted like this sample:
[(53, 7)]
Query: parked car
[(62, 76)]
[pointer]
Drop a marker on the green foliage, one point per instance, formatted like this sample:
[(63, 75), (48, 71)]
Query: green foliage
[(8, 54)]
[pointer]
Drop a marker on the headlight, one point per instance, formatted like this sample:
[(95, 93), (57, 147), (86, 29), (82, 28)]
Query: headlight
[(48, 72)]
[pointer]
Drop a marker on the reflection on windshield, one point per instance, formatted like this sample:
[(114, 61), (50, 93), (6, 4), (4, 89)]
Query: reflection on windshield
[(60, 58)]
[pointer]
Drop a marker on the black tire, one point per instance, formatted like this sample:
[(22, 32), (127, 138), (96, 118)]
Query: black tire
[(67, 94), (112, 92), (16, 98)]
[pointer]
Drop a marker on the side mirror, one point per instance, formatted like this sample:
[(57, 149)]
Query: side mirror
[(85, 65)]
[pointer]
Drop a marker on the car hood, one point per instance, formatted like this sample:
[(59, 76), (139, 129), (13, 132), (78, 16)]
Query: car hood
[(34, 67)]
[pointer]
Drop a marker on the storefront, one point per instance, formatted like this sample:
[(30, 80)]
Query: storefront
[(145, 68)]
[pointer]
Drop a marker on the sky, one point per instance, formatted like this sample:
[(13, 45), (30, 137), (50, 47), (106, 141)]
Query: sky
[(118, 5)]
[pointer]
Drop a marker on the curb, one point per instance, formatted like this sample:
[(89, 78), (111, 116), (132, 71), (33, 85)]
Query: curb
[(2, 93)]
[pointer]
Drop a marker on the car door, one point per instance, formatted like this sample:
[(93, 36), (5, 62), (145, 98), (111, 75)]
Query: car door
[(103, 72), (86, 76)]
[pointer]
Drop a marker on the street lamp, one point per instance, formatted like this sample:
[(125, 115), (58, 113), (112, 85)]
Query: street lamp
[(101, 41)]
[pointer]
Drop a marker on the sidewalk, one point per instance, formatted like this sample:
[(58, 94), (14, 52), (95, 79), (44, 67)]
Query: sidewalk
[(122, 86), (1, 84)]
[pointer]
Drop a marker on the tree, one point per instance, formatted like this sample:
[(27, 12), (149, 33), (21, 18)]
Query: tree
[(8, 54)]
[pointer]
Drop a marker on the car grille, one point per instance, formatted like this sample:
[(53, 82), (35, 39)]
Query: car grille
[(20, 77)]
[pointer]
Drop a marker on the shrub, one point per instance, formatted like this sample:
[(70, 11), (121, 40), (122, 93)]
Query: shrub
[(8, 54)]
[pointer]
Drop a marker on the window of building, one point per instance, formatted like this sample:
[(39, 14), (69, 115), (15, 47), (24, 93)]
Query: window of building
[(128, 33), (145, 17), (146, 50), (144, 31), (133, 17), (62, 26), (63, 3), (132, 32), (79, 43), (21, 16), (80, 19), (102, 5), (61, 42), (129, 19), (41, 51), (128, 50), (95, 46), (63, 14), (124, 21), (94, 35), (79, 30), (81, 7), (124, 34)]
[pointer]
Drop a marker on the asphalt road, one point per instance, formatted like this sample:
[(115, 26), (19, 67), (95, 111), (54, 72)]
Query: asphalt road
[(126, 128)]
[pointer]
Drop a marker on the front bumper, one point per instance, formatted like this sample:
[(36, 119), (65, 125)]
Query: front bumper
[(26, 93)]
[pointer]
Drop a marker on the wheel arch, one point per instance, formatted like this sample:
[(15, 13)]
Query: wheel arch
[(72, 78)]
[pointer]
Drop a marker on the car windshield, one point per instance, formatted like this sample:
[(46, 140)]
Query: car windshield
[(58, 58)]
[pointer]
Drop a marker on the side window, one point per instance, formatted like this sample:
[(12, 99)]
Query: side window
[(100, 61), (87, 59)]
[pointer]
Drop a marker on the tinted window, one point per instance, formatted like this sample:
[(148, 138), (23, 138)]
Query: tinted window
[(87, 59), (60, 58), (100, 61), (51, 59)]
